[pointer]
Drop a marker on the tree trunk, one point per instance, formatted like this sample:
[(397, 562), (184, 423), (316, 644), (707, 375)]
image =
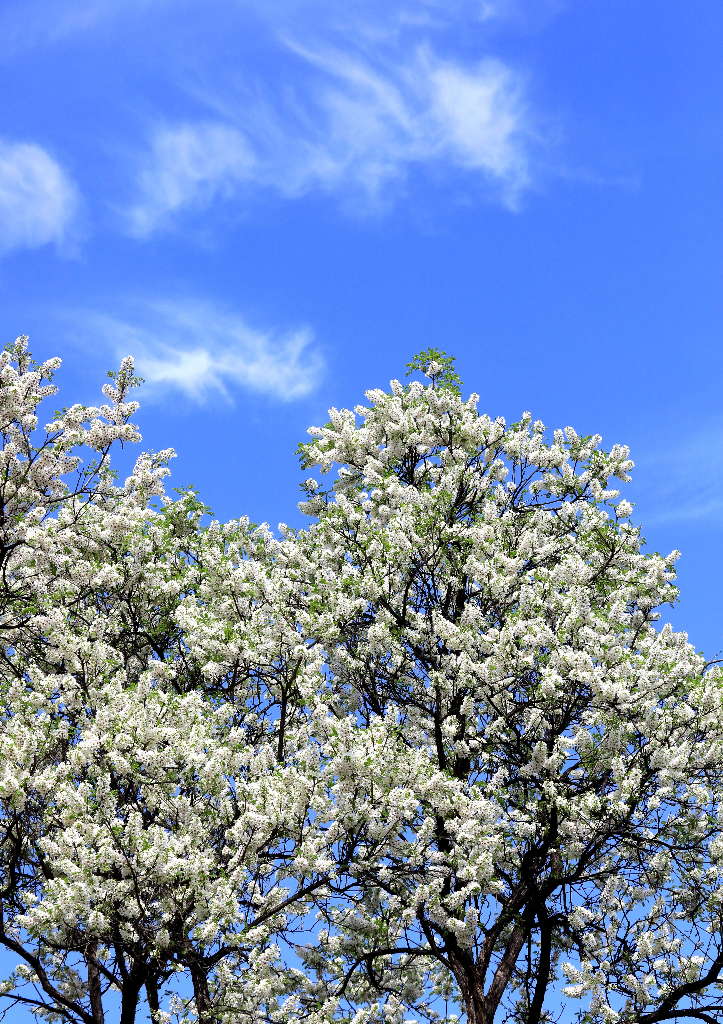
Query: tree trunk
[(481, 1007), (475, 1003), (152, 996), (129, 998), (201, 995), (94, 990)]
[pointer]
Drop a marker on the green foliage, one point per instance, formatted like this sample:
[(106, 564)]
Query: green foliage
[(125, 377), (446, 378)]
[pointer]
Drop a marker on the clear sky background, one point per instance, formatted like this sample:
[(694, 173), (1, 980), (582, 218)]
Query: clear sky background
[(274, 203)]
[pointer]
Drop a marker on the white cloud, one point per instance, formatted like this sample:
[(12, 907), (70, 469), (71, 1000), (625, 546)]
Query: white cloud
[(190, 165), (355, 128), (377, 124), (198, 350), (38, 201), (482, 120)]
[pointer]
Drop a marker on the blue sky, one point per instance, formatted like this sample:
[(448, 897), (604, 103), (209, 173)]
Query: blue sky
[(274, 203)]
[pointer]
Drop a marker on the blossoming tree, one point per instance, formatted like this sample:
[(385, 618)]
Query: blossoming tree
[(156, 788), (431, 755), (544, 763)]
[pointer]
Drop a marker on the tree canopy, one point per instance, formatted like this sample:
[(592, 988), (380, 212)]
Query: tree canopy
[(432, 756)]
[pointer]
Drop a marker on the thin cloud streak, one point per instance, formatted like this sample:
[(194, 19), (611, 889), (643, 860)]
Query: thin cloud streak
[(706, 511), (199, 351), (682, 482), (356, 130), (39, 203), (29, 24), (190, 165)]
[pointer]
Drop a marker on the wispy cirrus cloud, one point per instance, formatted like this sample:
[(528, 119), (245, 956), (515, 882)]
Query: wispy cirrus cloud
[(26, 24), (39, 202), (354, 101), (356, 128), (190, 166), (200, 351), (681, 478)]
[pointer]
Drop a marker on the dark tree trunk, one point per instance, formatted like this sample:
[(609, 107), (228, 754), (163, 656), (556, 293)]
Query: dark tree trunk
[(480, 1006), (152, 995), (132, 986), (94, 990), (475, 1003), (543, 972), (201, 994)]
